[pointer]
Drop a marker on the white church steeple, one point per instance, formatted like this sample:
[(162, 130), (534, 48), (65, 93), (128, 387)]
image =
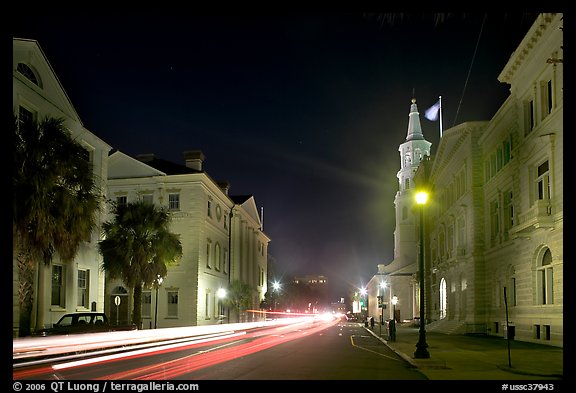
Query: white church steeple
[(412, 151)]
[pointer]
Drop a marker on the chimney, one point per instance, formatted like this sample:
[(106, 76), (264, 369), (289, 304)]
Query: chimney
[(146, 157), (224, 186), (194, 159)]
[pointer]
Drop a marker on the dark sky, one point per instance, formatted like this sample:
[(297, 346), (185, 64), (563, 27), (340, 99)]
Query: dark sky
[(304, 111)]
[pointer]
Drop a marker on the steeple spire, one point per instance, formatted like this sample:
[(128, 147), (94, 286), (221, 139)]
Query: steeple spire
[(414, 127)]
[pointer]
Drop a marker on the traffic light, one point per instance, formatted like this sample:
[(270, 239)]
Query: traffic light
[(380, 300)]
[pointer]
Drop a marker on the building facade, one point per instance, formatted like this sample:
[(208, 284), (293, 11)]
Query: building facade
[(494, 220), (59, 288), (221, 235)]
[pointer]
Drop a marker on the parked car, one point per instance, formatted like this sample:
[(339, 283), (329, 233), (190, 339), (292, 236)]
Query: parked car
[(351, 318), (83, 322)]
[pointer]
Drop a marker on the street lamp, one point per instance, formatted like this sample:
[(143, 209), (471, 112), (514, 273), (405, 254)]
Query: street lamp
[(394, 302), (422, 347), (221, 293), (157, 284), (276, 289), (383, 286)]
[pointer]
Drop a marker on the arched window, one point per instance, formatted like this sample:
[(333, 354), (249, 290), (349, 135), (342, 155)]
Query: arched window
[(217, 257), (545, 279), (443, 297), (28, 73)]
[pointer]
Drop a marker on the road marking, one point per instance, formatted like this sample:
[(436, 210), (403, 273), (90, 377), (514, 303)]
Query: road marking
[(369, 350)]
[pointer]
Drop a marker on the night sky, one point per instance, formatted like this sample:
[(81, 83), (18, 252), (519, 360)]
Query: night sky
[(303, 111)]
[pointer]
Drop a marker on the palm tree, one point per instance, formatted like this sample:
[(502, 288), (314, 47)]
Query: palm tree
[(239, 297), (54, 204), (137, 248)]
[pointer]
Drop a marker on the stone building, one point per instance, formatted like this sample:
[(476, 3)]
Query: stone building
[(494, 220), (221, 236)]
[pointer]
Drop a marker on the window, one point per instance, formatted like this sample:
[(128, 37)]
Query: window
[(508, 212), (461, 234), (147, 304), (57, 298), (407, 183), (172, 304), (507, 151), (450, 240), (494, 220), (544, 280), (225, 221), (25, 116), (174, 201), (207, 305), (83, 280), (543, 182), (217, 257), (209, 209), (28, 73), (208, 247), (546, 91), (121, 201), (226, 261), (443, 299), (530, 117)]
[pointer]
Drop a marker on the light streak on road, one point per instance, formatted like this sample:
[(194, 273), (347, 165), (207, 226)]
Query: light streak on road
[(254, 338)]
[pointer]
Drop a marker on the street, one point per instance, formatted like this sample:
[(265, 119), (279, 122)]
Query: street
[(316, 350)]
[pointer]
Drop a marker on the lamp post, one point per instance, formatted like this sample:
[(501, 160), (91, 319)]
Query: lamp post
[(381, 304), (221, 293), (276, 289), (157, 285), (394, 302), (422, 347)]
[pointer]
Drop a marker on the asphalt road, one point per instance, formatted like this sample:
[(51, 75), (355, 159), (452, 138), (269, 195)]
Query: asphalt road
[(313, 351)]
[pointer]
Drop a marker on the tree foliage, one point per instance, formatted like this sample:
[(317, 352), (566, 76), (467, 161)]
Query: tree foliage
[(55, 202), (138, 248)]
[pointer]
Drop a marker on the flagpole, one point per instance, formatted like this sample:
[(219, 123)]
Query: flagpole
[(440, 100)]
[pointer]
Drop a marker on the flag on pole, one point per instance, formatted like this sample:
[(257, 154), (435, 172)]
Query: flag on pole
[(433, 112)]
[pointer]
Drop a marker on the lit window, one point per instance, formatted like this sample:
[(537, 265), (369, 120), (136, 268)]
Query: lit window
[(83, 280), (174, 201)]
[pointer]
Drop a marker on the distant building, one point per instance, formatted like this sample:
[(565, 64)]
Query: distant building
[(494, 220), (316, 291), (221, 237)]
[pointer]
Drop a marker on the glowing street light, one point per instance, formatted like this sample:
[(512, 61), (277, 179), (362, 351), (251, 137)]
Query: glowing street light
[(276, 289), (422, 347)]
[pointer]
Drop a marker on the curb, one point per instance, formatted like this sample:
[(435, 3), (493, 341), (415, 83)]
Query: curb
[(406, 358)]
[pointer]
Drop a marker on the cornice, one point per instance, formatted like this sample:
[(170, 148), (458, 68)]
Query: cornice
[(518, 57)]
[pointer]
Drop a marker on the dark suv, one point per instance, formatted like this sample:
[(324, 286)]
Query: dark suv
[(82, 322)]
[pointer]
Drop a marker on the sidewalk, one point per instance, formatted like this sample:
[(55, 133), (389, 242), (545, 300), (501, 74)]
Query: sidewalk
[(472, 357)]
